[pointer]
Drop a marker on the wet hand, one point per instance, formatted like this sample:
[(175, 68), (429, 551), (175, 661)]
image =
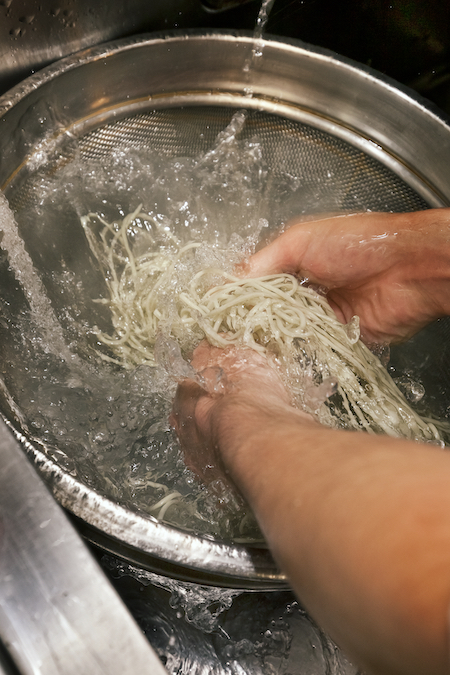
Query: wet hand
[(389, 269), (204, 417)]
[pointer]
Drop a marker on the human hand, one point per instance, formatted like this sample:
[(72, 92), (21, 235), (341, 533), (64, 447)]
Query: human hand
[(392, 270), (211, 425)]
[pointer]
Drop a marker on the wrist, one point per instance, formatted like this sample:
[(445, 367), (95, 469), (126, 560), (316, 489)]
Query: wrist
[(429, 258), (239, 425)]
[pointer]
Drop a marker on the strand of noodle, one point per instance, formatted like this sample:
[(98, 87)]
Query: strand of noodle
[(167, 498), (166, 506), (351, 414), (165, 503), (123, 236), (272, 324), (189, 302), (158, 486)]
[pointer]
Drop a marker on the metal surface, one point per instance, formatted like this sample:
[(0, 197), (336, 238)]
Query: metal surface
[(58, 613), (34, 34), (374, 130)]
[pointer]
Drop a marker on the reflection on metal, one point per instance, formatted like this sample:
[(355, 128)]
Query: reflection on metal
[(33, 34), (58, 613)]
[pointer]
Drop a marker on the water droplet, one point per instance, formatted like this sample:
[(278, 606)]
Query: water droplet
[(352, 330), (412, 390)]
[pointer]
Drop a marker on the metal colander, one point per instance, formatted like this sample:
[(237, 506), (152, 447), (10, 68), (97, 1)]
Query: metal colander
[(350, 141), (333, 174)]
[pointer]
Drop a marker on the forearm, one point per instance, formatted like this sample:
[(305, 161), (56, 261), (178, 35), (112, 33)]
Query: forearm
[(361, 526)]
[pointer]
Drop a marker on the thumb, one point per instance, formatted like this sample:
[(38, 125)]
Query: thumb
[(185, 402)]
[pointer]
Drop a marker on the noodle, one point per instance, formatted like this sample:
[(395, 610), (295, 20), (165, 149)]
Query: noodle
[(316, 354)]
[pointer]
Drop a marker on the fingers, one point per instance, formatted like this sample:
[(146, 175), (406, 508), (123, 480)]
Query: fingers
[(284, 254), (288, 251), (201, 419), (183, 408), (314, 248), (192, 428)]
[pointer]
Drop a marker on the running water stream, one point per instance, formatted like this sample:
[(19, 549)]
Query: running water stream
[(258, 43), (41, 309)]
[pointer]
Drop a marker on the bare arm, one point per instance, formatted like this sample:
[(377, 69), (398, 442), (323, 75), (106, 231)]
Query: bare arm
[(361, 527), (392, 270), (360, 524)]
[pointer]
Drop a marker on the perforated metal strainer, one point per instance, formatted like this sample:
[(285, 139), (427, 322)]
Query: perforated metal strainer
[(350, 141)]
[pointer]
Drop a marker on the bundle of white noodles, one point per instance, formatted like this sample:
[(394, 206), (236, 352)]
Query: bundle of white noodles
[(329, 371)]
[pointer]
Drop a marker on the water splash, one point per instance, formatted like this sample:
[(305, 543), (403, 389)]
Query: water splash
[(197, 629)]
